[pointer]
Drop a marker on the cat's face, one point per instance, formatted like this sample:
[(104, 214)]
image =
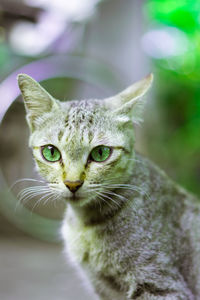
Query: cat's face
[(82, 148)]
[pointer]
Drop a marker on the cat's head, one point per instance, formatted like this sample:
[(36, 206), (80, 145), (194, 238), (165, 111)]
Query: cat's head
[(83, 149)]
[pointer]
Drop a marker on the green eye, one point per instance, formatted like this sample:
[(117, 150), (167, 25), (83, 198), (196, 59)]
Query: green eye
[(51, 153), (100, 153)]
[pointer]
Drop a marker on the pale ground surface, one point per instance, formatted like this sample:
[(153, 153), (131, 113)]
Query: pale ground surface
[(35, 270)]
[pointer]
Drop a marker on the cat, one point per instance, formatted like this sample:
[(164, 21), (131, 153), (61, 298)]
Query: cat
[(131, 230)]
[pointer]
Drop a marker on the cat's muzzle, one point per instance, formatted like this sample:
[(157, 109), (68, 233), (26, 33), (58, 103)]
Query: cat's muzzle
[(73, 186)]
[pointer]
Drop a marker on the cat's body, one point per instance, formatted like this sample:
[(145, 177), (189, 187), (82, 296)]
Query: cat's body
[(134, 232), (149, 249)]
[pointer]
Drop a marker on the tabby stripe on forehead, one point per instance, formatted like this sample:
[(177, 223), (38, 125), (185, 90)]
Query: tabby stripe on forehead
[(90, 136), (60, 135)]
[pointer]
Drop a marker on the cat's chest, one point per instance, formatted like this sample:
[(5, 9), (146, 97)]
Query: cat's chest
[(90, 248)]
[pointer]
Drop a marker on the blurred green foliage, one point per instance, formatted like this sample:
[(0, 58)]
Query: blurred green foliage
[(178, 92), (183, 14)]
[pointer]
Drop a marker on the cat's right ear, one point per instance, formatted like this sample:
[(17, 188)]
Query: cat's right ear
[(36, 99), (129, 104)]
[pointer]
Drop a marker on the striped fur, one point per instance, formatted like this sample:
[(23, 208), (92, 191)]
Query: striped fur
[(130, 229)]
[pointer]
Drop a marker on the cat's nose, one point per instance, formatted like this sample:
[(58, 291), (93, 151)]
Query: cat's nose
[(73, 186)]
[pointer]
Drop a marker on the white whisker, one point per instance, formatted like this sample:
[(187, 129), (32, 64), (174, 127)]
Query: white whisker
[(106, 196), (114, 194), (30, 192), (27, 192), (104, 200), (24, 180), (123, 186)]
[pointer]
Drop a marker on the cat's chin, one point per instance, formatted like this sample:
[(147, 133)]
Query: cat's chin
[(78, 201), (75, 198)]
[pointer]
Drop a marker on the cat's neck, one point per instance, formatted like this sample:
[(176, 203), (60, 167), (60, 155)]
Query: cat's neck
[(91, 215)]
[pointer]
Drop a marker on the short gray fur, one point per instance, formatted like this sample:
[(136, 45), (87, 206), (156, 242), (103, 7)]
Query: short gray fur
[(134, 233)]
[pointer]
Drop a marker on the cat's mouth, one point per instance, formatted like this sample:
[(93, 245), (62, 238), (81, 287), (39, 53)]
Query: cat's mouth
[(74, 198)]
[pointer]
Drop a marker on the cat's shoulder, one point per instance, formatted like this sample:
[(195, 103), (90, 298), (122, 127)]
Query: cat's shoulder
[(160, 179)]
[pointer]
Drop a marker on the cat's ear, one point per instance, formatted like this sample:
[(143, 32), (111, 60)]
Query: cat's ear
[(36, 99), (130, 102)]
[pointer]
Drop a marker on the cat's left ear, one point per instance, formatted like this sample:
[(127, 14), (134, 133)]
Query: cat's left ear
[(36, 99), (130, 102)]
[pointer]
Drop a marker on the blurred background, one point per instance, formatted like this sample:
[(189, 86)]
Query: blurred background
[(88, 49)]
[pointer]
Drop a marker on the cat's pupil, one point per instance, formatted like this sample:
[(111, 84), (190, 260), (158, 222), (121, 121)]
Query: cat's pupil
[(52, 150), (100, 152)]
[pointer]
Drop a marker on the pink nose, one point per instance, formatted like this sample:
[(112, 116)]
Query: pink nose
[(73, 186)]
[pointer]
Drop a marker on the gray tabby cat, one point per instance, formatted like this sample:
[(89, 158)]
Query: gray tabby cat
[(132, 230)]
